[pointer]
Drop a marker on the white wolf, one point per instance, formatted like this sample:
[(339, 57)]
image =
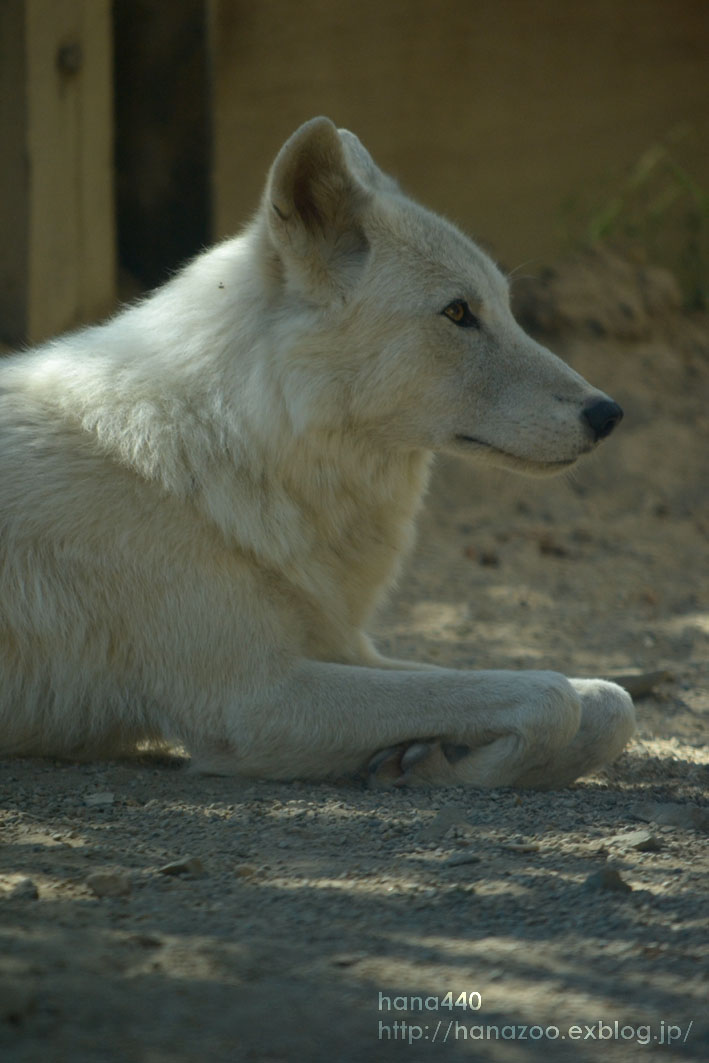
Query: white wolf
[(203, 501)]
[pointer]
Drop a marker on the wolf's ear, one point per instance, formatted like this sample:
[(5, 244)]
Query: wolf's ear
[(364, 165), (315, 203)]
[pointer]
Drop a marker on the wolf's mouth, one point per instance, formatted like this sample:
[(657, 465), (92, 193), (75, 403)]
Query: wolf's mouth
[(515, 460)]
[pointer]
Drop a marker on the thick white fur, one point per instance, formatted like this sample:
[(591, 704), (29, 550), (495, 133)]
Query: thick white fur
[(203, 500)]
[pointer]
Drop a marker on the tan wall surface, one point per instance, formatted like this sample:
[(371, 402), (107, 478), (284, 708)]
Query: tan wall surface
[(57, 260), (492, 111)]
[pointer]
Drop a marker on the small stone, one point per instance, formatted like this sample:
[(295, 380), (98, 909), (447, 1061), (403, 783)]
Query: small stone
[(550, 546), (488, 558), (460, 833), (607, 879), (99, 800), (641, 840), (439, 826), (24, 889), (188, 865), (245, 871), (348, 959), (109, 884), (521, 847), (146, 940), (674, 814), (458, 859)]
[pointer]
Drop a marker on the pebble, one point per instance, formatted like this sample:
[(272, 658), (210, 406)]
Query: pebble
[(99, 800), (187, 865), (109, 884), (348, 959), (641, 840), (674, 815), (24, 889), (245, 871), (442, 822), (147, 940), (551, 546), (461, 858), (607, 879)]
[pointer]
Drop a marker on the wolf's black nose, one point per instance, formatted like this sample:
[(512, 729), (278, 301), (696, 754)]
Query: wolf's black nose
[(602, 417)]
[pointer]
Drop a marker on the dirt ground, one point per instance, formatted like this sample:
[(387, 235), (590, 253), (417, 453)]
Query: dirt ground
[(147, 914)]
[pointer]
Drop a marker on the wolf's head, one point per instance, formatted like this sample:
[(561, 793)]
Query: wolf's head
[(400, 327)]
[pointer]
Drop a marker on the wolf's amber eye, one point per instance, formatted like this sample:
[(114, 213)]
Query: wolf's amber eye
[(460, 314)]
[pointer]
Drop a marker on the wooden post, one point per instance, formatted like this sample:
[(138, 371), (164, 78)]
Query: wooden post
[(57, 250)]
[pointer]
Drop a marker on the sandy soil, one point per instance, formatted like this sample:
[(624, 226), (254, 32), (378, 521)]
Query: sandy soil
[(150, 915)]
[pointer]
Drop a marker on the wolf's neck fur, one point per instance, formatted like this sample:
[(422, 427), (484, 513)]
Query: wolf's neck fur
[(335, 518)]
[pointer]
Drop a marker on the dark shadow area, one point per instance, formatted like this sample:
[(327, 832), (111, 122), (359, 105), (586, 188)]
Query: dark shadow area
[(162, 124)]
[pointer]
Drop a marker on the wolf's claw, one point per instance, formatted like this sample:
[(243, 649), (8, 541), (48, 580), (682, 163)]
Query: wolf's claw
[(394, 766), (417, 752), (386, 764)]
